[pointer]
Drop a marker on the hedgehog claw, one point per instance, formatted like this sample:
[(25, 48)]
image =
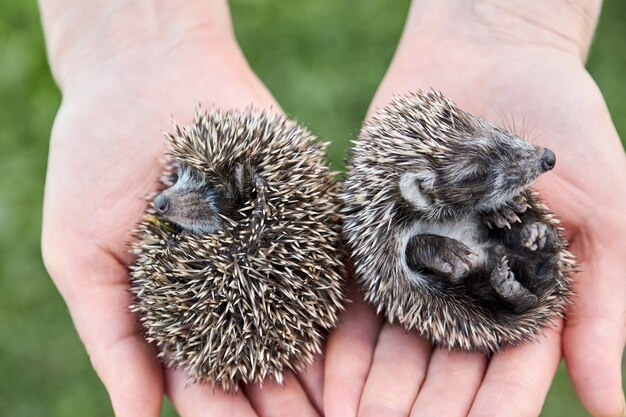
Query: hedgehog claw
[(512, 217), (502, 218), (519, 204), (501, 221)]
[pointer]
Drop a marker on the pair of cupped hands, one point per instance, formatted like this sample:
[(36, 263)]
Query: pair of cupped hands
[(104, 157)]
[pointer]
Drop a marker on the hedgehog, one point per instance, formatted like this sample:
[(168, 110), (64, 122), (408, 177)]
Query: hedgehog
[(238, 270), (447, 236)]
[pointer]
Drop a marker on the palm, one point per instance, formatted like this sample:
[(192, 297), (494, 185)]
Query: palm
[(105, 157), (549, 98)]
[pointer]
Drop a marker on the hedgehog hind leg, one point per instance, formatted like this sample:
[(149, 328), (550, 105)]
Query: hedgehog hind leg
[(441, 255), (510, 289)]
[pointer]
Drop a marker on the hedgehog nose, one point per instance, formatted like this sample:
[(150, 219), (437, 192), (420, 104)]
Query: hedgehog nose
[(162, 204), (548, 160)]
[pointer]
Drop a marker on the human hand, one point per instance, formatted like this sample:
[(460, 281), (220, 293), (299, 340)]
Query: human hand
[(124, 70), (521, 62)]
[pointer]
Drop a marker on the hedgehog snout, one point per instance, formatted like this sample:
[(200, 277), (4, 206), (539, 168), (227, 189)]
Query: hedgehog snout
[(548, 160), (162, 204)]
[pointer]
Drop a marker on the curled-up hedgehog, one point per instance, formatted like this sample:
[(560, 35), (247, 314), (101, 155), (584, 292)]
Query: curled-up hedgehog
[(447, 238), (239, 267)]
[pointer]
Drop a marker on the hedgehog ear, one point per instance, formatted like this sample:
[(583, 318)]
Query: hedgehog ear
[(412, 188)]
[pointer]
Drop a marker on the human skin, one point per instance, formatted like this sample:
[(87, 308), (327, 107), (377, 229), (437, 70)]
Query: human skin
[(124, 69), (104, 153), (517, 63)]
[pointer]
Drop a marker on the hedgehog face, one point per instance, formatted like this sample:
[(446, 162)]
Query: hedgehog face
[(482, 171), (195, 202)]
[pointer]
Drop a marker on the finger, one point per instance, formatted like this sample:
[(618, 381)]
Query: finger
[(593, 354), (275, 400), (450, 385), (201, 400), (312, 380), (349, 353), (517, 380), (397, 371), (593, 341), (95, 287)]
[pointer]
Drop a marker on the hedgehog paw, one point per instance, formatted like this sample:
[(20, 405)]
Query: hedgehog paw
[(443, 256), (454, 269), (519, 203), (534, 235), (455, 262), (501, 218), (509, 289)]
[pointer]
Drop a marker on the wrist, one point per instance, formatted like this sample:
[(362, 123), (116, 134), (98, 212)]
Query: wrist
[(88, 38), (564, 25)]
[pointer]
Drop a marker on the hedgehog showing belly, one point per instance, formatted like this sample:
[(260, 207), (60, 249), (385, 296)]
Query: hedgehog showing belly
[(239, 269), (447, 237)]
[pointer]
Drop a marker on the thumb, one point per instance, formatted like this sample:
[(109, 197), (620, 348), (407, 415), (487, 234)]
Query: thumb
[(595, 333)]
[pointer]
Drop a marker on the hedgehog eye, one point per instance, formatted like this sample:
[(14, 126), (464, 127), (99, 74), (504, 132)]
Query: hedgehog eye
[(193, 175), (181, 170), (475, 175), (211, 196), (197, 176), (480, 173)]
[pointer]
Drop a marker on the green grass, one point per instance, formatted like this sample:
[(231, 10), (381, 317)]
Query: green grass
[(321, 59)]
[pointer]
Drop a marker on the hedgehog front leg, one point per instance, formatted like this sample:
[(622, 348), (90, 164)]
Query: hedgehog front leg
[(537, 236), (509, 289), (506, 214), (534, 235), (441, 255)]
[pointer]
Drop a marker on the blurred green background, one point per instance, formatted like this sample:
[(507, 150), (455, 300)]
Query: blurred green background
[(322, 60)]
